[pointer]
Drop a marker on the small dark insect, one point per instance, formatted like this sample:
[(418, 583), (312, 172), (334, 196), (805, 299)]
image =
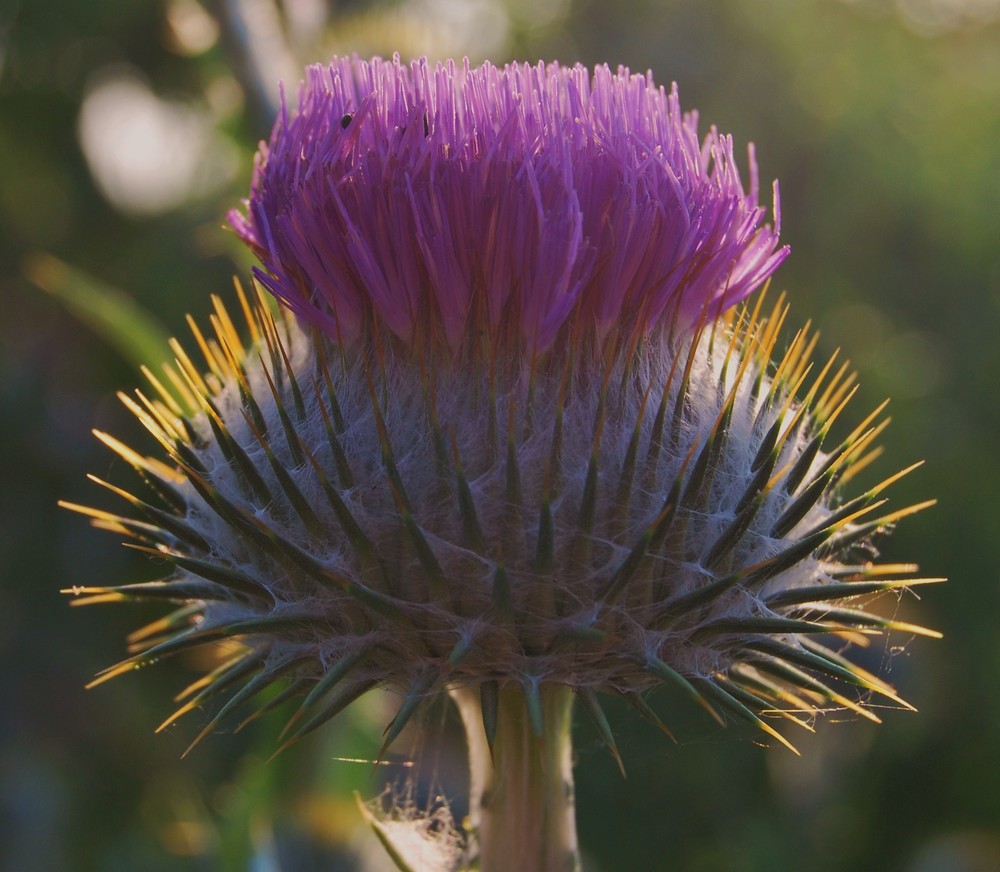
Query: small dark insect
[(427, 126), (346, 120)]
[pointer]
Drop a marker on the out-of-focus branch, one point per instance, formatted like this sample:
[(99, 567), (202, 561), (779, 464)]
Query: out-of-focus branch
[(255, 39)]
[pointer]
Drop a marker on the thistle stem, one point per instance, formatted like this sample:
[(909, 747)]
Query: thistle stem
[(521, 807)]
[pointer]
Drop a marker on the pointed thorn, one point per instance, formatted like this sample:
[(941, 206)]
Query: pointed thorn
[(593, 708)]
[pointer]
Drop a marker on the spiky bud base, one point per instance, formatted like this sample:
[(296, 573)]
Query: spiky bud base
[(603, 518)]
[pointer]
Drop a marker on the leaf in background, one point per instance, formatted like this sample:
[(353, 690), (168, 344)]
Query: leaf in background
[(111, 313)]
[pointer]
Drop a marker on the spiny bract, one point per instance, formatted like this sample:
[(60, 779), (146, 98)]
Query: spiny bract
[(663, 512)]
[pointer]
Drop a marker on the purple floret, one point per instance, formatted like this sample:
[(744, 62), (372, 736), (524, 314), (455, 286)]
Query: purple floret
[(527, 201)]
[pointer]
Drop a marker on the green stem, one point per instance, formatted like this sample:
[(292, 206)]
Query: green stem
[(521, 807)]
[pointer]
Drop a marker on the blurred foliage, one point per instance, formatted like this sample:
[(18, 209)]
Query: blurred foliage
[(882, 120)]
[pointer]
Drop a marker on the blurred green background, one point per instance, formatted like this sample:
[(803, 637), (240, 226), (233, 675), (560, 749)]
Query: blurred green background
[(127, 129)]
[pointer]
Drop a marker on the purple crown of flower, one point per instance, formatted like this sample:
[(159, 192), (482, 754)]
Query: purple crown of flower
[(445, 201)]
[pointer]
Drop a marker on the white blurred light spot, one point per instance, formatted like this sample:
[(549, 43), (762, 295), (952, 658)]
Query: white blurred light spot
[(306, 18), (938, 17), (146, 154), (477, 28), (935, 17), (192, 30)]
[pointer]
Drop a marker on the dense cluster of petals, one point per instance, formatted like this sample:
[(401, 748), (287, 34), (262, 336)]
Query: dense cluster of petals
[(444, 201)]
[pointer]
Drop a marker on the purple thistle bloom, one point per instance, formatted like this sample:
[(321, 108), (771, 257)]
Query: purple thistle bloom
[(517, 200), (629, 504)]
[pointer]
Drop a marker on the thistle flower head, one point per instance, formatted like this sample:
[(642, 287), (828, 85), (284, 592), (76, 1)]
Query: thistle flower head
[(523, 447), (445, 201)]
